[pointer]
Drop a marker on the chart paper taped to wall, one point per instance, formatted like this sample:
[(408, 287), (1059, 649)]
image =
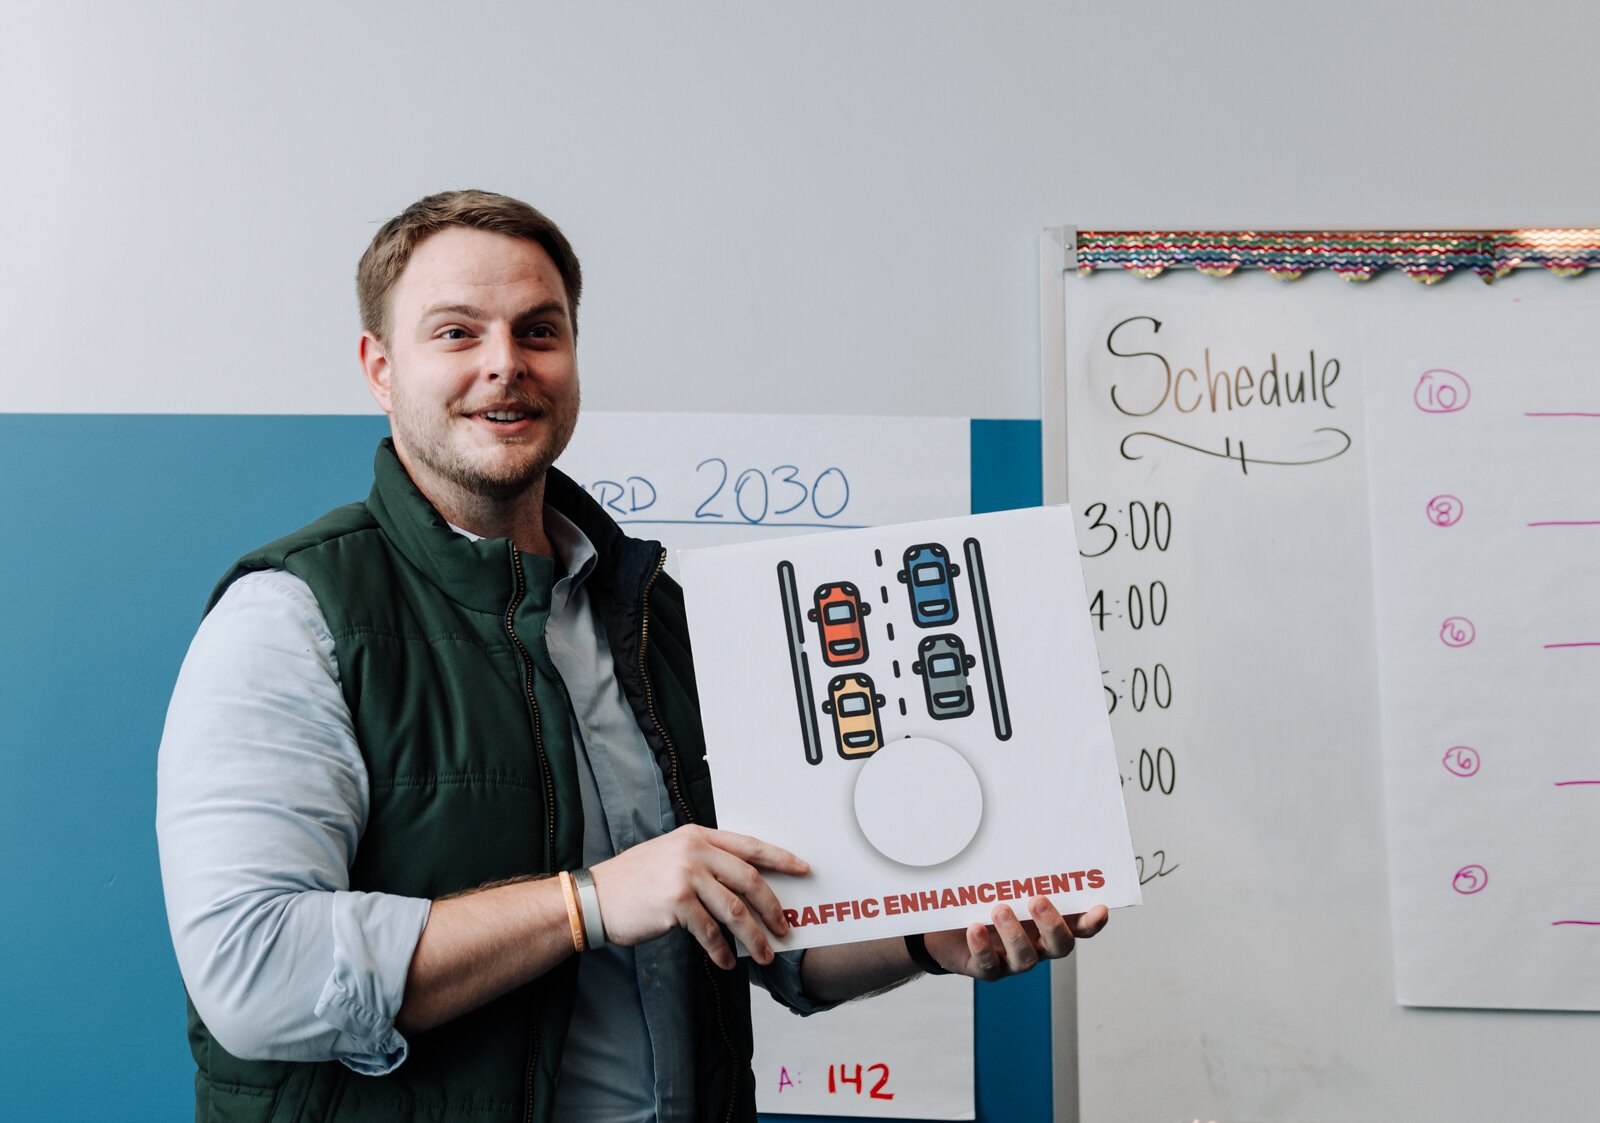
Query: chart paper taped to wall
[(707, 479), (1485, 453)]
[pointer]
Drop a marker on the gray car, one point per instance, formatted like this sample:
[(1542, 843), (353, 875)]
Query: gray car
[(943, 663)]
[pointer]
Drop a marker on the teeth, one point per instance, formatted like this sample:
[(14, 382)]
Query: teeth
[(504, 415)]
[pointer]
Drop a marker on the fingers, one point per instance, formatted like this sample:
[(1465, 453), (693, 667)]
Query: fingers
[(762, 855), (983, 954), (1010, 946), (737, 896), (1016, 942), (701, 880), (1087, 924), (1056, 935)]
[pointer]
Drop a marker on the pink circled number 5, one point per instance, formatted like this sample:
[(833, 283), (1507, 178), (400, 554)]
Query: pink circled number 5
[(1445, 510), (1441, 391), (1470, 880)]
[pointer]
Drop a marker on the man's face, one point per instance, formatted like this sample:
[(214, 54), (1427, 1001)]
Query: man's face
[(480, 375)]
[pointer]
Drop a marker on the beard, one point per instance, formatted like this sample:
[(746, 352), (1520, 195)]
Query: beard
[(438, 446)]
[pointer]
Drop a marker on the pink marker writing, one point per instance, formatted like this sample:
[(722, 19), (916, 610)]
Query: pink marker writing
[(1462, 760), (1441, 391), (1470, 880), (1457, 631), (1445, 510)]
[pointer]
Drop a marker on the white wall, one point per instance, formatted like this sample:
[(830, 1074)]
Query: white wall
[(781, 207)]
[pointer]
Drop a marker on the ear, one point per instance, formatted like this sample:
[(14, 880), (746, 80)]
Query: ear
[(375, 365)]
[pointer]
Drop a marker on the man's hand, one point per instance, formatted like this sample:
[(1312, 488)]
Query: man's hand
[(1011, 946), (697, 879), (983, 951)]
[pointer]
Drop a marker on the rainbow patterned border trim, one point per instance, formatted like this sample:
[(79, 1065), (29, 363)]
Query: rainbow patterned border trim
[(1356, 255)]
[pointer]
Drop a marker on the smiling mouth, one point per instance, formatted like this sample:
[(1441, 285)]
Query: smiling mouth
[(509, 416)]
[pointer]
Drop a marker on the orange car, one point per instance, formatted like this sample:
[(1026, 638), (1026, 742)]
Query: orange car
[(839, 614), (854, 707)]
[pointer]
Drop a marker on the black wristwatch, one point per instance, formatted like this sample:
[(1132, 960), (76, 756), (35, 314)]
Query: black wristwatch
[(917, 948)]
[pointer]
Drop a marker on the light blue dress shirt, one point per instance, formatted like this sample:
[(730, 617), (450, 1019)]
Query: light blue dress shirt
[(262, 800)]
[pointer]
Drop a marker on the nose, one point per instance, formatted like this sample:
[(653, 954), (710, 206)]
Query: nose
[(503, 358)]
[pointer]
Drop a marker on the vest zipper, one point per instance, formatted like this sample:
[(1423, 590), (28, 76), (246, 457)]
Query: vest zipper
[(549, 788), (675, 787), (673, 784)]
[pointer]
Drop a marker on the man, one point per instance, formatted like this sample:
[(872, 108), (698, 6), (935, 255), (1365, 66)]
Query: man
[(397, 723)]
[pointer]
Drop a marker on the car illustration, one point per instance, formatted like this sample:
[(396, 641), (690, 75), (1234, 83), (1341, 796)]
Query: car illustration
[(943, 663), (839, 616), (854, 705), (929, 577)]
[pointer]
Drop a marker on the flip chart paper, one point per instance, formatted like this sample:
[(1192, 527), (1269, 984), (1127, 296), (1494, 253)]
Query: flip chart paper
[(912, 1058), (1485, 453), (704, 479), (916, 710)]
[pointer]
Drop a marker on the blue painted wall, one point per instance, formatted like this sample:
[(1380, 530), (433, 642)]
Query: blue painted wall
[(113, 530)]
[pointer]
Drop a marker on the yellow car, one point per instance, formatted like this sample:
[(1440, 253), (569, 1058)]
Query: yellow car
[(854, 707)]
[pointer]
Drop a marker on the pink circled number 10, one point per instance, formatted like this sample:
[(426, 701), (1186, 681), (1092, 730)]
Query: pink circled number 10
[(1441, 391)]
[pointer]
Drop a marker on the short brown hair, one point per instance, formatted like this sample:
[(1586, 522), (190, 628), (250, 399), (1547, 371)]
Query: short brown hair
[(392, 246)]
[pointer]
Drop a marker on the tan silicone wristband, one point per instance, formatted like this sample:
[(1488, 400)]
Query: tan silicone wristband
[(574, 915)]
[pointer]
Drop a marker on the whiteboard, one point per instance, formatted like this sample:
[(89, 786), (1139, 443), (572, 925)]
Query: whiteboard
[(1258, 981)]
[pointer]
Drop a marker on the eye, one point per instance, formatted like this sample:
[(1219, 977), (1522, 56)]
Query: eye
[(453, 333), (541, 331)]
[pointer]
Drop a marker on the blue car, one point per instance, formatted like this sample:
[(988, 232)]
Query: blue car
[(929, 577)]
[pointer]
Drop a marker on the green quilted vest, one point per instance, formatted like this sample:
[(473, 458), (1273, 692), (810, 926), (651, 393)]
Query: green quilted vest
[(462, 721)]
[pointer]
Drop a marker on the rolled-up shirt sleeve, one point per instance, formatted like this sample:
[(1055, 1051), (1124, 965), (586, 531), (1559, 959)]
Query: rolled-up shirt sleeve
[(261, 801)]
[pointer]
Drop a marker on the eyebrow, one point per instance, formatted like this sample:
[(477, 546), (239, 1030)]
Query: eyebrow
[(472, 311)]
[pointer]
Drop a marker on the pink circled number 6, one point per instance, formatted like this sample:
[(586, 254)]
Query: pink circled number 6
[(1462, 760)]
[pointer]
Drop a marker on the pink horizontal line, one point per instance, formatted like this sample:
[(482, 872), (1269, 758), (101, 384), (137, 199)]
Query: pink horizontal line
[(1591, 923), (1553, 413), (1568, 522), (1569, 783), (1585, 643)]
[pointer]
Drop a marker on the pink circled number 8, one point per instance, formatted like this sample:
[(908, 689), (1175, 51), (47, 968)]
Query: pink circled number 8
[(1445, 510)]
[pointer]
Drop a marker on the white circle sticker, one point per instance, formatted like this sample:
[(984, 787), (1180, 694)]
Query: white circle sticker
[(918, 801)]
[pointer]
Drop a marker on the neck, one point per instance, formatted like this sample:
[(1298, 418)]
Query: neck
[(517, 515), (520, 519)]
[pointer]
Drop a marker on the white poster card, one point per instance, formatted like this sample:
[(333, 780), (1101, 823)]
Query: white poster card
[(916, 711), (1485, 454), (707, 479)]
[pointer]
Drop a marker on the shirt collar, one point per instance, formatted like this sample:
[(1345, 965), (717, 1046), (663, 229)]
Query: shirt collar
[(572, 547)]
